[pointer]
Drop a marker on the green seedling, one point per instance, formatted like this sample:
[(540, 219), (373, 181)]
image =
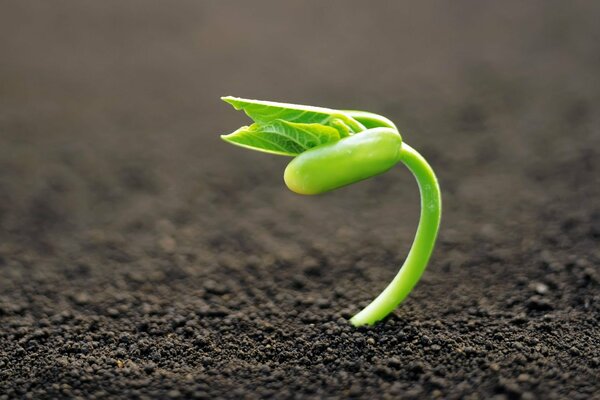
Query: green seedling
[(335, 148)]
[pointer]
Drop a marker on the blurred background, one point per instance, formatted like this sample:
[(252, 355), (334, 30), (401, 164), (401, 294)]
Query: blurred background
[(116, 191), (112, 109)]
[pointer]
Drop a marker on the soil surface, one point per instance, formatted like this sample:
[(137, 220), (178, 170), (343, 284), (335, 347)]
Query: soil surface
[(141, 257)]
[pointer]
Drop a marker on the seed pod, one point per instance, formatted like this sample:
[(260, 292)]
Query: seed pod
[(352, 159)]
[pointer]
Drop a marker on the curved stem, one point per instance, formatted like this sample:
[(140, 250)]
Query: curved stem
[(422, 247)]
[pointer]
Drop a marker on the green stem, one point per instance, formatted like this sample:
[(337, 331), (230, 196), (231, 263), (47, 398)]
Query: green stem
[(422, 247)]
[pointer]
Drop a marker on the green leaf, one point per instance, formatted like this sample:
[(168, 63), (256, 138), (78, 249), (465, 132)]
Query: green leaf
[(341, 126), (282, 137), (370, 120), (268, 111)]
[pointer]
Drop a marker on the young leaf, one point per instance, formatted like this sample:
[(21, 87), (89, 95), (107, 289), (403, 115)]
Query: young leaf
[(370, 120), (268, 111), (282, 137), (341, 126)]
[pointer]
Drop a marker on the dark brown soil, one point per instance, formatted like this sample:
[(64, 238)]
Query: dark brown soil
[(141, 257)]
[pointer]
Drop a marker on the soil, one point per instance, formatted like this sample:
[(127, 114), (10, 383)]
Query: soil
[(141, 257)]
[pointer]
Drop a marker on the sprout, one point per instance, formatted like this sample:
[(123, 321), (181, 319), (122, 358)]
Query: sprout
[(335, 148)]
